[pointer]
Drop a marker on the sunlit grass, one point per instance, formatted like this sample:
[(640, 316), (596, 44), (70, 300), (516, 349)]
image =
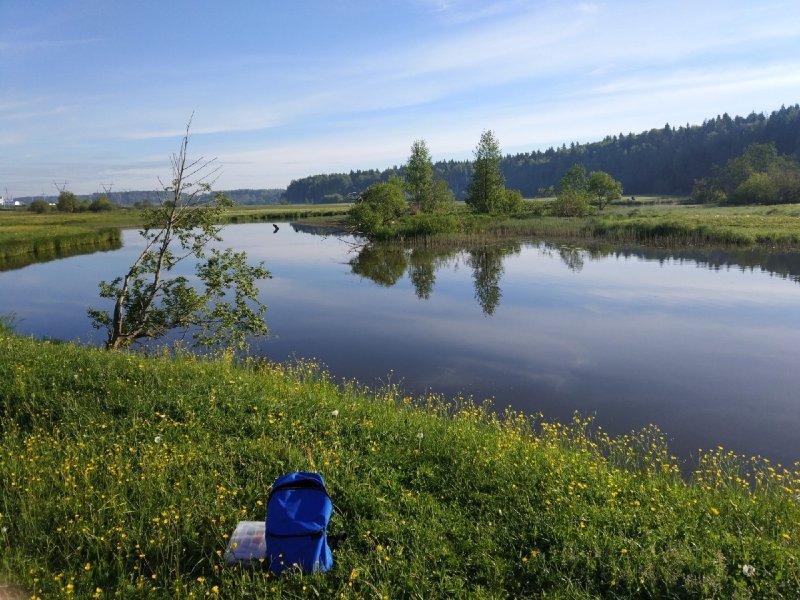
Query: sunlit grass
[(681, 225), (652, 221), (126, 474)]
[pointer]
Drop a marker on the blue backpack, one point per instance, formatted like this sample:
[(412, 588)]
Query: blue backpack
[(298, 512)]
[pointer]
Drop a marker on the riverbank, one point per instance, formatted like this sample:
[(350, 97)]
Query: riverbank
[(26, 237), (127, 473), (652, 223)]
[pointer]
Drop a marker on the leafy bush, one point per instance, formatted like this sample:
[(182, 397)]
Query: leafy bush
[(571, 203), (39, 206), (511, 202), (381, 205), (758, 188), (101, 204)]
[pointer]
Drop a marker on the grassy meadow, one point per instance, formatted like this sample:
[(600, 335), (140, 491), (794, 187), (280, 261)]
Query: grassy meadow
[(652, 221), (123, 475), (699, 225)]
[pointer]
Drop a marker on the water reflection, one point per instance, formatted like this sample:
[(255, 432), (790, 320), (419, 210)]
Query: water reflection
[(57, 249), (387, 264)]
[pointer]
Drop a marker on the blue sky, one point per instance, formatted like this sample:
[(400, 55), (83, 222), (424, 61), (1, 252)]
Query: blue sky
[(98, 91)]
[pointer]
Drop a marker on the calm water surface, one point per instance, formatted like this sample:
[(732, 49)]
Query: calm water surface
[(702, 343)]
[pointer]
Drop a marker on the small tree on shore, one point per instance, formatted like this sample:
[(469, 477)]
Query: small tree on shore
[(426, 194), (573, 195), (149, 301), (603, 188), (486, 192)]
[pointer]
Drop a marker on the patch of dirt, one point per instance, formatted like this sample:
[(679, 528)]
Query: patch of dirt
[(9, 591)]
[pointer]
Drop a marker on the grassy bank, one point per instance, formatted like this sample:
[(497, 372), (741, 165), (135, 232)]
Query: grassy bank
[(650, 222), (27, 237), (43, 245), (122, 474), (697, 225)]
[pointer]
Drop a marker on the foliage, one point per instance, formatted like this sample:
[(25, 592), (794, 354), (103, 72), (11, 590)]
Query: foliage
[(379, 207), (440, 199), (68, 202), (426, 194), (486, 192), (149, 302), (572, 203), (511, 203), (603, 188), (758, 176), (573, 194), (577, 189), (706, 192), (758, 188), (574, 179), (124, 474), (419, 176), (100, 204), (39, 206)]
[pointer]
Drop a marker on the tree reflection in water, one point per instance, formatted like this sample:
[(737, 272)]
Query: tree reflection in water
[(387, 263)]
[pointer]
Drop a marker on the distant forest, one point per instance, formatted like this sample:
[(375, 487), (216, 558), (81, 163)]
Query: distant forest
[(659, 161), (129, 198)]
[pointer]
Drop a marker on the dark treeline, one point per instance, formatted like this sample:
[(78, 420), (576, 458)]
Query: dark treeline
[(659, 161)]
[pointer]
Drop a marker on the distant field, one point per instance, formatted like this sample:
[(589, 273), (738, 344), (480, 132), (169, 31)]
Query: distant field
[(26, 237), (657, 220), (673, 224), (246, 214)]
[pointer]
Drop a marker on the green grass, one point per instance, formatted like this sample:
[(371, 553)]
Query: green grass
[(124, 474), (284, 212), (27, 237), (652, 221), (693, 225)]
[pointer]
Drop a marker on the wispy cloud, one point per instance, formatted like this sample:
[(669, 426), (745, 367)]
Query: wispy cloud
[(536, 73), (18, 45)]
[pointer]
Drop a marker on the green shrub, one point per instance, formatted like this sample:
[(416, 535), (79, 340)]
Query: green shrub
[(39, 206), (571, 202), (380, 206)]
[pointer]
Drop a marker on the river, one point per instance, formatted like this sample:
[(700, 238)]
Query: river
[(702, 343)]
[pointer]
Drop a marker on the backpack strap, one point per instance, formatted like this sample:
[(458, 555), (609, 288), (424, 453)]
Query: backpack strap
[(300, 484), (311, 534)]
